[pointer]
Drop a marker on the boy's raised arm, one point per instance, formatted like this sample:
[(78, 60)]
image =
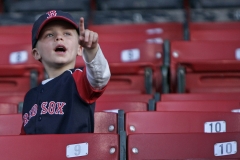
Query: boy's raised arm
[(98, 72), (88, 40)]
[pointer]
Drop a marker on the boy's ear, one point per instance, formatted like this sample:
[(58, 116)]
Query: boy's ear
[(80, 50), (35, 54)]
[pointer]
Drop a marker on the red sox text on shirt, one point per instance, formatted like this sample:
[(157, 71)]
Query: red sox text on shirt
[(46, 108)]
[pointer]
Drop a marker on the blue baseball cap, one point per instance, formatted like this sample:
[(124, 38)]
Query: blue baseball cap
[(47, 17)]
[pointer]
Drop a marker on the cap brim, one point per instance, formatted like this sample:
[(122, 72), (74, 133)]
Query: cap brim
[(55, 18)]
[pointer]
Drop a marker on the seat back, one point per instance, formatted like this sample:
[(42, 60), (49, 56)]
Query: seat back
[(213, 25), (215, 35), (129, 63), (200, 96), (10, 124), (61, 146), (104, 122), (200, 66), (145, 28), (183, 146), (19, 71), (125, 97), (117, 105), (181, 122), (8, 108), (199, 105)]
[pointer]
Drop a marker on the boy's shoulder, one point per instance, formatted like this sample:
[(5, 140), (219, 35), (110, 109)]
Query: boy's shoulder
[(32, 91)]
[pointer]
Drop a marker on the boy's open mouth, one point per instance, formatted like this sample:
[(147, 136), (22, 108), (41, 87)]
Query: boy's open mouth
[(60, 48)]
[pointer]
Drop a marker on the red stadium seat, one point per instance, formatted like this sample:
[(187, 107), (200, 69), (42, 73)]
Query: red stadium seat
[(61, 146), (200, 96), (162, 29), (125, 97), (199, 105), (150, 99), (10, 124), (123, 105), (16, 29), (183, 146), (12, 39), (215, 35), (105, 122), (134, 66), (19, 71), (203, 66), (131, 37), (8, 108), (181, 122), (213, 25)]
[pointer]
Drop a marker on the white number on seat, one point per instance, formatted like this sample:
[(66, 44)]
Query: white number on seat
[(130, 55), (77, 150), (237, 54), (155, 40), (226, 148), (18, 57), (215, 127), (154, 31)]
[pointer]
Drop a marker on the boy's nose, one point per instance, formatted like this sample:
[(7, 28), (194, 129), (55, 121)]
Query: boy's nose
[(59, 38)]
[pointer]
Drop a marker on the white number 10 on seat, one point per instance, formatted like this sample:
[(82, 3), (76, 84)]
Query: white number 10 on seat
[(215, 127), (226, 148)]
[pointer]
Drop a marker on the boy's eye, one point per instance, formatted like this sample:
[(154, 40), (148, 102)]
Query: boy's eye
[(49, 35), (67, 33)]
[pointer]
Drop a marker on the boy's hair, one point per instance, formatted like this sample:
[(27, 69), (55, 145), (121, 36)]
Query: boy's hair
[(47, 17)]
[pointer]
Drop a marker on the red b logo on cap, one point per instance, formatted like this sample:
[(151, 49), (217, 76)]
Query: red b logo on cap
[(52, 14)]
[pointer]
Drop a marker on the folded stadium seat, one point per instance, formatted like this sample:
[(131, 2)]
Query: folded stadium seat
[(123, 105), (19, 71), (200, 96), (214, 30), (125, 97), (146, 98), (105, 122), (135, 67), (11, 102), (215, 35), (12, 39), (181, 122), (214, 25), (61, 146), (15, 29), (183, 146), (199, 105), (137, 37), (169, 30), (11, 124), (8, 108), (204, 66)]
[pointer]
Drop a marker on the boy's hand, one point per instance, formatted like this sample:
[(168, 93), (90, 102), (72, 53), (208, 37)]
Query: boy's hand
[(87, 39)]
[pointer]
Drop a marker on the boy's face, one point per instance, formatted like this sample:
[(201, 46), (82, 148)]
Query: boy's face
[(57, 45)]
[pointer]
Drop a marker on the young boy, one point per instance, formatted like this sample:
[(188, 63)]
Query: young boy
[(65, 102)]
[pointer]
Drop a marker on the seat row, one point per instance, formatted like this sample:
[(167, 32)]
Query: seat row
[(205, 128), (143, 58)]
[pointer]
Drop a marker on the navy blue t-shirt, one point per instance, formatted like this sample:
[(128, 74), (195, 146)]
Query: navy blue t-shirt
[(65, 104)]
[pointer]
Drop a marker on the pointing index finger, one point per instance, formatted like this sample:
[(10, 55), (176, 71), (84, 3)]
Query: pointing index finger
[(81, 25)]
